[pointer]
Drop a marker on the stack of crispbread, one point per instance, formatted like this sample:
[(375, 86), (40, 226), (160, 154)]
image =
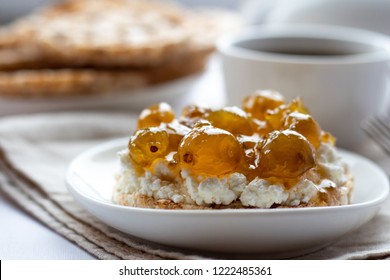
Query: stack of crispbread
[(80, 47)]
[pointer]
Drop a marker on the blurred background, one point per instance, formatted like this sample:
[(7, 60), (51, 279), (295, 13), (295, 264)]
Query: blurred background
[(10, 10), (373, 15), (367, 14)]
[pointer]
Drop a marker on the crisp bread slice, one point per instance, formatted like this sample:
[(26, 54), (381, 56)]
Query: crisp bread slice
[(114, 33), (68, 82)]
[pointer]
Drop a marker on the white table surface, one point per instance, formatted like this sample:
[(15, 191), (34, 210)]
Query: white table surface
[(24, 238)]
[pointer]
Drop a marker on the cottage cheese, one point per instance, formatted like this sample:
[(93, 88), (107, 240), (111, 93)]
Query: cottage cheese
[(214, 190), (332, 164), (261, 193), (201, 191)]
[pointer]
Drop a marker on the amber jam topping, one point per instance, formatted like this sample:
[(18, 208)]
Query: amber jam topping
[(266, 138)]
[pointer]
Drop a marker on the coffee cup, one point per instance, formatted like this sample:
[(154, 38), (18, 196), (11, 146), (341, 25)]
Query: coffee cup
[(341, 73)]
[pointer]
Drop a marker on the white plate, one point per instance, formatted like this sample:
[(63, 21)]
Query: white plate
[(276, 232)]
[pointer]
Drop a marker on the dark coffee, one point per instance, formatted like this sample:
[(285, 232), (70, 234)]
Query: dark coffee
[(301, 46), (305, 52)]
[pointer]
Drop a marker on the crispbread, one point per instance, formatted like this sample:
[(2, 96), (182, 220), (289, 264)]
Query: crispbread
[(84, 81), (144, 201), (330, 197), (102, 33), (65, 82), (78, 47), (24, 57), (116, 33)]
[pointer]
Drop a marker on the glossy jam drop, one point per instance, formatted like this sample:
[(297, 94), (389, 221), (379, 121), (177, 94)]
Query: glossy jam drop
[(210, 151), (326, 137), (232, 119), (155, 115), (258, 103), (251, 146), (275, 118), (296, 105), (176, 132), (305, 125), (260, 127), (192, 114), (285, 154), (148, 145)]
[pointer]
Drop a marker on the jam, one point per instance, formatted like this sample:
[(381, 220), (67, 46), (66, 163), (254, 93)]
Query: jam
[(266, 138)]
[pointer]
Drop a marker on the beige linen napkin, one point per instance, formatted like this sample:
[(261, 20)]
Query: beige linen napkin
[(35, 151)]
